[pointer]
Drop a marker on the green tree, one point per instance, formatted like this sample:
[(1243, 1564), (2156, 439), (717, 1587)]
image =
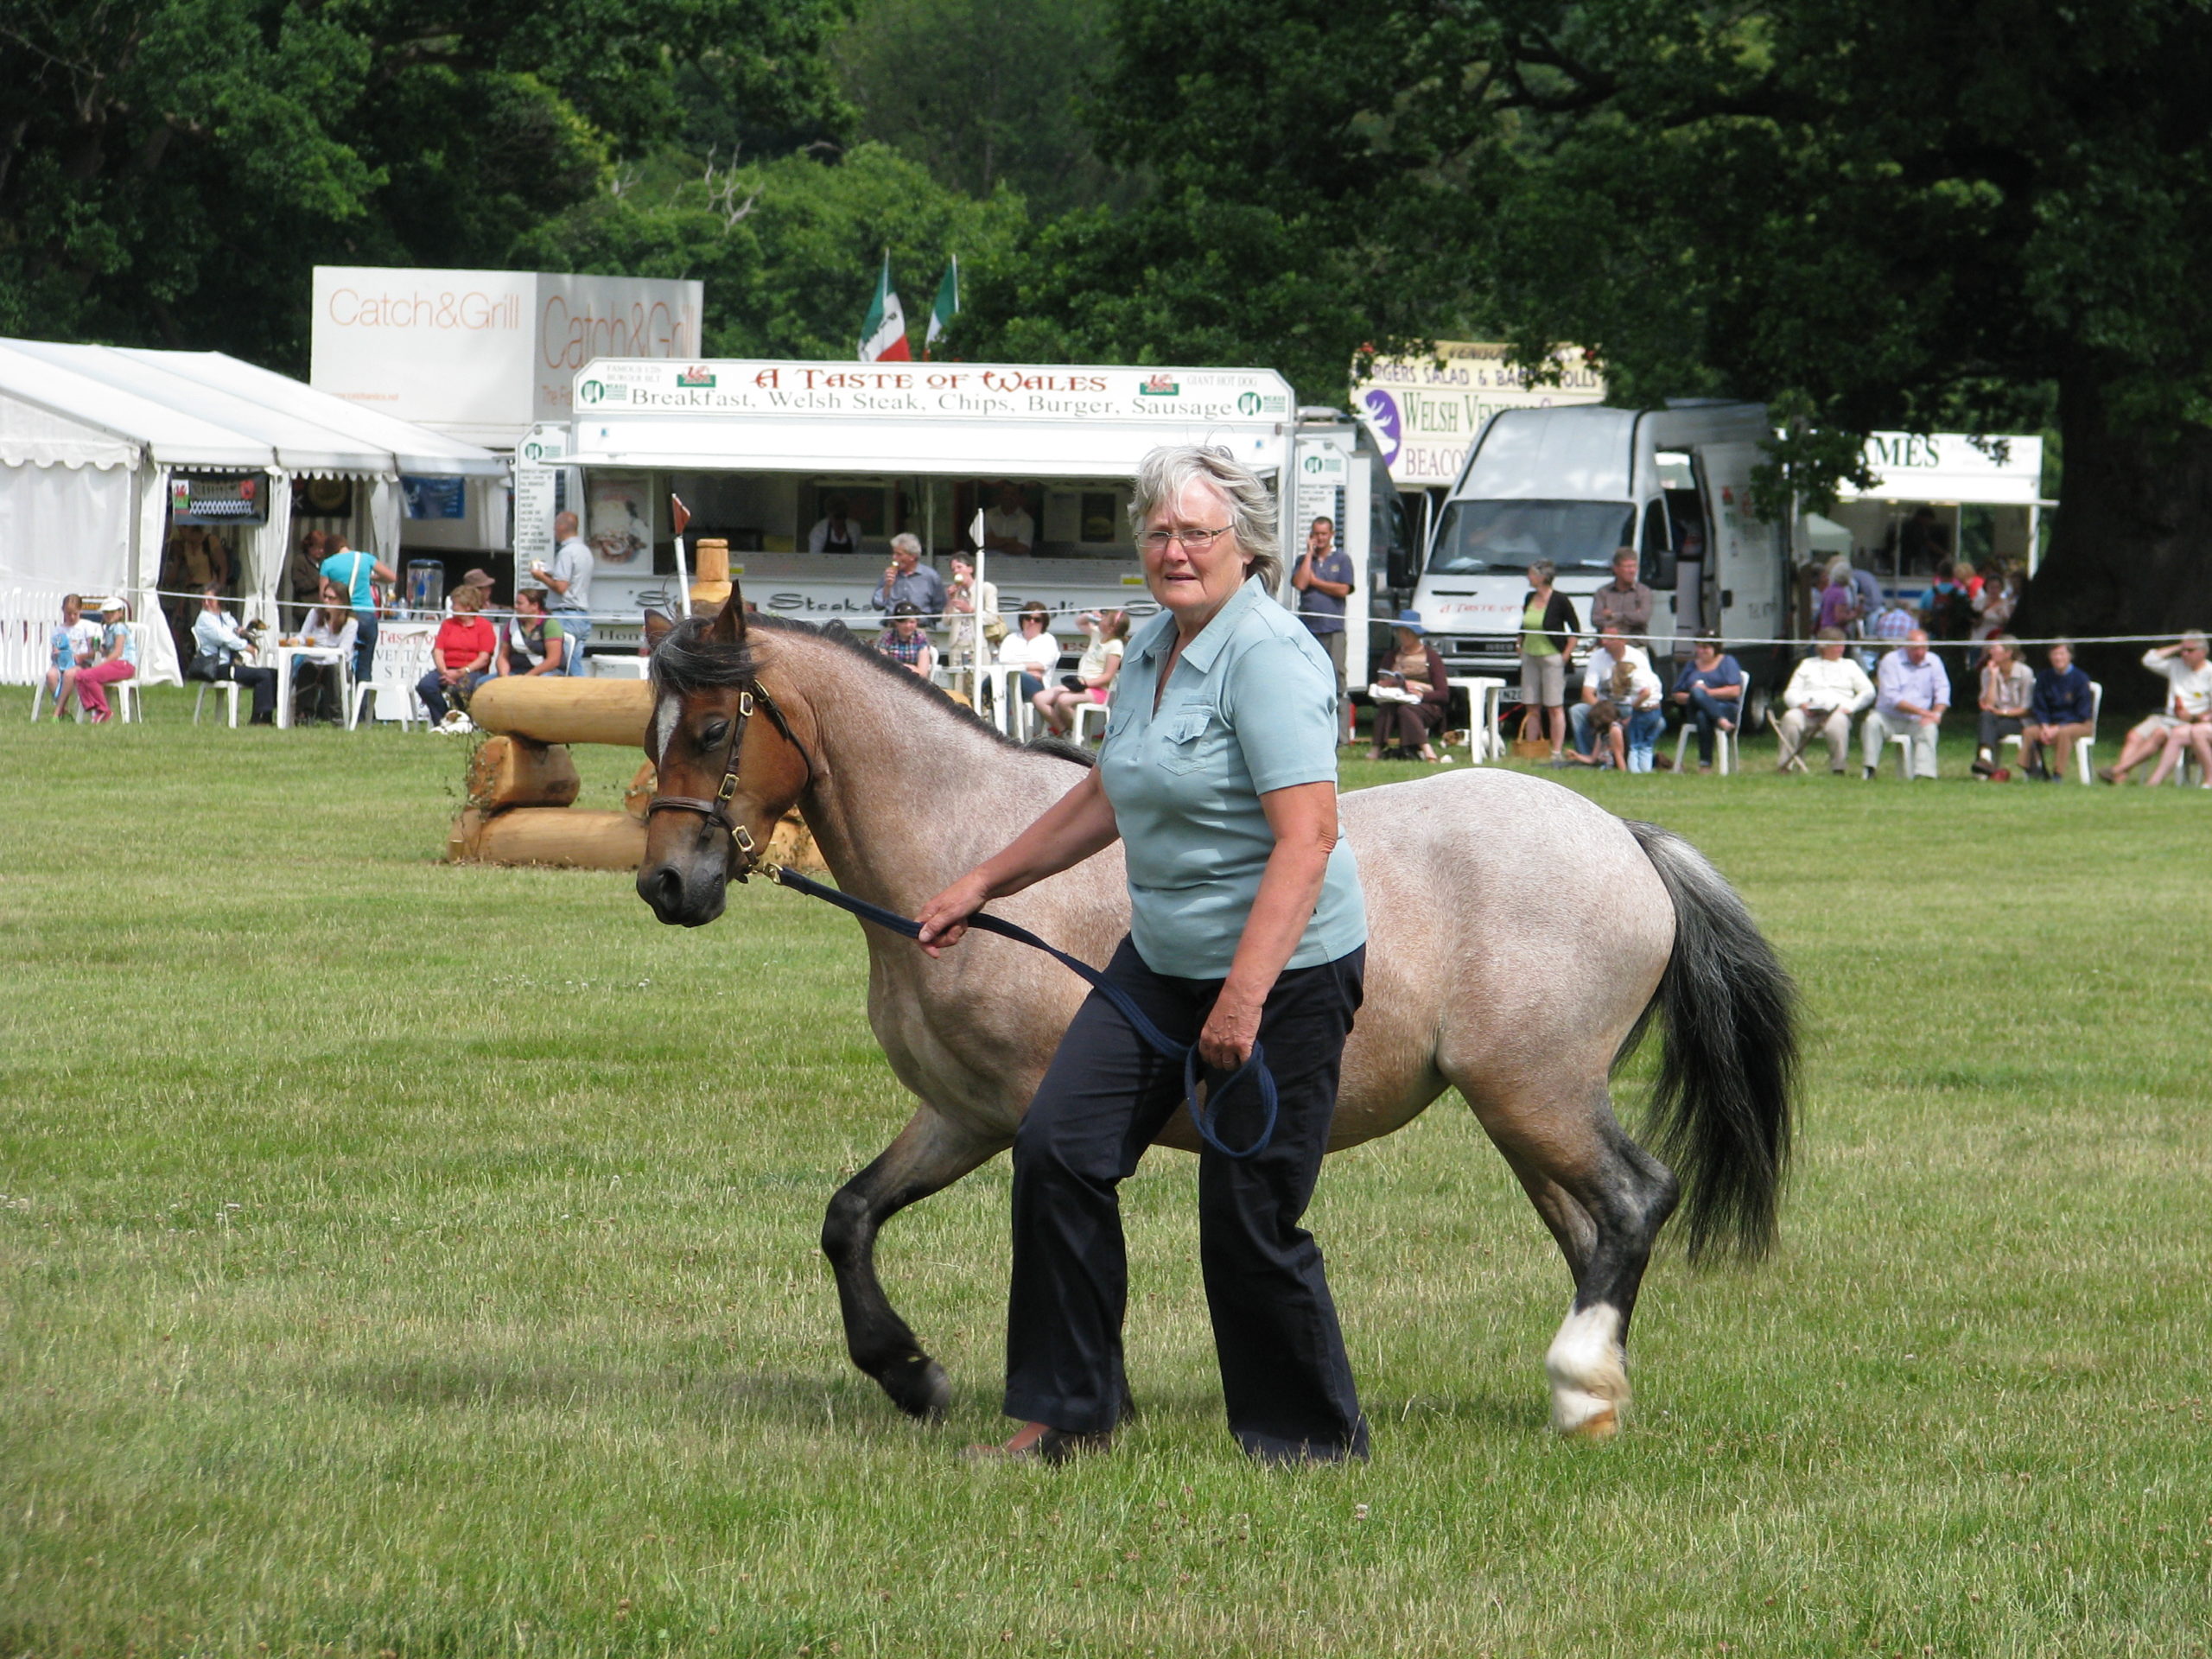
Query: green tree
[(983, 93), (1868, 213)]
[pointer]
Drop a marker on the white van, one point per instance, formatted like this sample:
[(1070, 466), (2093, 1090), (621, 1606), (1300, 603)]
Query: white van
[(1574, 485)]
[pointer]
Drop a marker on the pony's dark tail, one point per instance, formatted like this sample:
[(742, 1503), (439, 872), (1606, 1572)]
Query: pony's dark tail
[(1722, 1112)]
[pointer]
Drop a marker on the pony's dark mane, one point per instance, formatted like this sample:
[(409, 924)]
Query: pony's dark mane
[(688, 659)]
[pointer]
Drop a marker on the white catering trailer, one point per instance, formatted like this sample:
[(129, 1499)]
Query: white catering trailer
[(761, 451), (1574, 485)]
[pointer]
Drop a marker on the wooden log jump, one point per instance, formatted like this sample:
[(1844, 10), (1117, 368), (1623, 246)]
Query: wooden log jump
[(554, 708)]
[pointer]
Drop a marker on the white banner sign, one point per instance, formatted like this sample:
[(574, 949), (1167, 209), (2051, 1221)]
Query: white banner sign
[(537, 472), (1425, 411), (903, 390)]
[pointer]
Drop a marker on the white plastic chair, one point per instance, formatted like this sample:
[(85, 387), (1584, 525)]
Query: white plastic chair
[(1724, 747), (2084, 766), (1084, 713), (398, 661), (1903, 742), (229, 689)]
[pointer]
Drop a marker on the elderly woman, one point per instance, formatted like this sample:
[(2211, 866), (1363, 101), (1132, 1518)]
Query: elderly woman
[(1548, 625), (1710, 690), (1093, 679), (1414, 669), (1218, 777)]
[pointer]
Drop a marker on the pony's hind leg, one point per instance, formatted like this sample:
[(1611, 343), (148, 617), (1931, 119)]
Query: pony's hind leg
[(1605, 1199), (929, 1155)]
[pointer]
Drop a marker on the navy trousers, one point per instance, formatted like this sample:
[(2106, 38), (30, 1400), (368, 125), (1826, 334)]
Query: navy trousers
[(1285, 1376)]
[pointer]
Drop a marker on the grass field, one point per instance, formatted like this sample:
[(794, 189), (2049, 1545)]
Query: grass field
[(397, 1259)]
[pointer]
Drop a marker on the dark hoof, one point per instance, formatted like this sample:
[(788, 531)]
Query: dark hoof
[(918, 1386)]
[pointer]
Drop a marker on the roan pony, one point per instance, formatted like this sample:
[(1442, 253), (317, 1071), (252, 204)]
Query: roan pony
[(1494, 967)]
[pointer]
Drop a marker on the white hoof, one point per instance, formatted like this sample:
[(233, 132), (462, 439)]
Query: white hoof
[(1588, 1371)]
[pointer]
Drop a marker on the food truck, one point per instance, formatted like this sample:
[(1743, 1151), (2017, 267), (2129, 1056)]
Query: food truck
[(807, 469)]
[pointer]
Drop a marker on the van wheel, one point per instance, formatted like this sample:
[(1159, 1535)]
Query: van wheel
[(1755, 710)]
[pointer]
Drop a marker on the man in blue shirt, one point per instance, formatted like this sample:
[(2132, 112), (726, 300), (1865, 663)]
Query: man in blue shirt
[(1324, 581), (1911, 691), (568, 581), (907, 581)]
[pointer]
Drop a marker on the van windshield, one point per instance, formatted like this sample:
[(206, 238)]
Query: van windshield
[(1475, 536)]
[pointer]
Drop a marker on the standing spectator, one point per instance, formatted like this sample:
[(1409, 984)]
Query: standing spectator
[(834, 532), (461, 659), (972, 611), (1093, 679), (318, 687), (1007, 527), (907, 579), (1993, 602), (1838, 601), (75, 646), (1623, 603), (216, 646), (1824, 692), (119, 660), (1323, 578), (1415, 671), (1911, 692), (1710, 688), (356, 575), (1949, 614), (1548, 625), (2182, 726), (2007, 688), (2061, 711), (532, 642), (303, 571), (904, 643), (1033, 650), (568, 577)]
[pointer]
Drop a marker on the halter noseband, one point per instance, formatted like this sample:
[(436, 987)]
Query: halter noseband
[(751, 694)]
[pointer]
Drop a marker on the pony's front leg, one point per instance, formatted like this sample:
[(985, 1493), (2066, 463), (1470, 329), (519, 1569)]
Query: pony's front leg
[(929, 1154)]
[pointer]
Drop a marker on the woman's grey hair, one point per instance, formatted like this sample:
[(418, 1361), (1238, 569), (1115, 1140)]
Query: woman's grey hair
[(1542, 571), (1163, 475), (906, 542)]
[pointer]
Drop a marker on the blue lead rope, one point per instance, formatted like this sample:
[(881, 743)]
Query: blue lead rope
[(1165, 1046)]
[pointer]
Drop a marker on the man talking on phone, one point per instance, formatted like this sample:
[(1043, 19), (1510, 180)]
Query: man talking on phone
[(1323, 579)]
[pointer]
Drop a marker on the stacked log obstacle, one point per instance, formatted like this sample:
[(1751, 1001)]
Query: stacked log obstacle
[(523, 783)]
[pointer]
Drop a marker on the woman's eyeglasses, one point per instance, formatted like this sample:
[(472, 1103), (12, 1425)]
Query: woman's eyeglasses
[(1194, 540)]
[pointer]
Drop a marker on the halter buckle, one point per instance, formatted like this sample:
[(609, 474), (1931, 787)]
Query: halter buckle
[(728, 789), (743, 837), (745, 705)]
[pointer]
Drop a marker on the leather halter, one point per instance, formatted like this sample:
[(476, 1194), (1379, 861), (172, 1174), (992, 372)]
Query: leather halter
[(751, 694)]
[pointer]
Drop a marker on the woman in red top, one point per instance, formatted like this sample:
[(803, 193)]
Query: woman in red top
[(461, 655)]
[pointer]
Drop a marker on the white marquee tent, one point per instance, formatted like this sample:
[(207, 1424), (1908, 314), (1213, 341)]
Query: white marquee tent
[(92, 436)]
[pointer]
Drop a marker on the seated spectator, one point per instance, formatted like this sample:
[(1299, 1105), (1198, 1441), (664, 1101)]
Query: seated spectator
[(1414, 672), (1615, 646), (1893, 621), (2006, 690), (2185, 726), (2061, 711), (119, 660), (463, 658), (1093, 679), (1032, 649), (74, 645), (1824, 692), (904, 643), (217, 645), (318, 689), (1994, 603), (532, 642), (1622, 709), (1911, 692), (1710, 691)]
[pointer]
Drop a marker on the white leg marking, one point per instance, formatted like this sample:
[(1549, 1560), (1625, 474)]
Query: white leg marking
[(664, 719), (1588, 1371)]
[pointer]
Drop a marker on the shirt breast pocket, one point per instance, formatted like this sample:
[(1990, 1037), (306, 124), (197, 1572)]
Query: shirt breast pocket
[(1190, 739)]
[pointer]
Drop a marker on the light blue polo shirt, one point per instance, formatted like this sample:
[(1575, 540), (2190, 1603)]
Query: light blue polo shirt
[(1251, 707)]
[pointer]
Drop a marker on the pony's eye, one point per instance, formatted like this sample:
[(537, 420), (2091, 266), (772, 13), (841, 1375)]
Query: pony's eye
[(714, 733)]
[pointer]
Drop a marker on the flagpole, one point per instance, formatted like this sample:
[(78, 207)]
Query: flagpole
[(680, 516), (975, 617)]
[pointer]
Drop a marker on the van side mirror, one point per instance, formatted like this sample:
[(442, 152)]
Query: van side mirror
[(1398, 566)]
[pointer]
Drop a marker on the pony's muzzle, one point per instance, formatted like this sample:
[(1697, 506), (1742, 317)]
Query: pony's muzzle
[(681, 900)]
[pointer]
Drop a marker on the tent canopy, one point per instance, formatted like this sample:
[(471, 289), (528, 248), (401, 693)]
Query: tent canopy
[(204, 410)]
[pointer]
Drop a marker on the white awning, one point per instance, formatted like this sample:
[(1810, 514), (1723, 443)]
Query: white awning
[(863, 448), (173, 437)]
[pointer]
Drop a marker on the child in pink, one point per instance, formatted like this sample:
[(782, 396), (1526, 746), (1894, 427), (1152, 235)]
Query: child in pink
[(120, 661)]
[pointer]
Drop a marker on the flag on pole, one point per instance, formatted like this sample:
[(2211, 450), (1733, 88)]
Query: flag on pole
[(946, 306), (883, 330)]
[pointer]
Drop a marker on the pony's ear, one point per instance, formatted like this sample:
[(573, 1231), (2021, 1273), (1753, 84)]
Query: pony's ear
[(657, 628), (729, 622), (835, 629)]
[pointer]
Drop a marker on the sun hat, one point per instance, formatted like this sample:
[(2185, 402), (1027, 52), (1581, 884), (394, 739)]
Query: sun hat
[(1409, 620), (478, 578), (905, 608), (106, 605)]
